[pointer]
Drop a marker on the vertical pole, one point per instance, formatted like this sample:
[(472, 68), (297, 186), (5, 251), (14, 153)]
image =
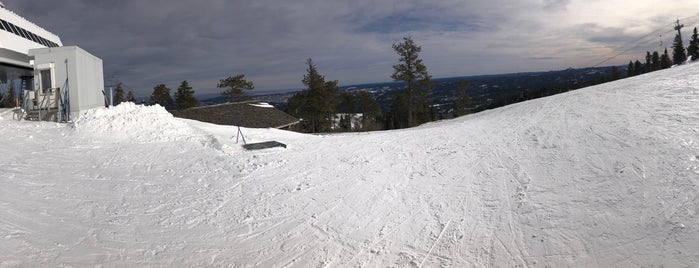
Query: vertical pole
[(111, 97), (66, 97), (679, 26), (236, 120)]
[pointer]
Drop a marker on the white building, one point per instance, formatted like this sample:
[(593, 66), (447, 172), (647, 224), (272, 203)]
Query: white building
[(57, 82)]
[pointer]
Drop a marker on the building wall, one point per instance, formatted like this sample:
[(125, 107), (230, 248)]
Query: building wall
[(84, 73)]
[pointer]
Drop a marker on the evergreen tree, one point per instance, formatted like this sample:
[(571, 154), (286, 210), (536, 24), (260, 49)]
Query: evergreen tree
[(346, 103), (630, 70), (637, 67), (130, 97), (370, 109), (693, 49), (316, 104), (665, 61), (463, 100), (679, 55), (397, 115), (235, 86), (363, 103), (615, 73), (184, 97), (655, 61), (118, 95), (413, 72), (647, 68), (161, 95)]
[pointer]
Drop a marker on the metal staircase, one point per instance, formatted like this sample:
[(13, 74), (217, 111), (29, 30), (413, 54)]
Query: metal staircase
[(44, 105)]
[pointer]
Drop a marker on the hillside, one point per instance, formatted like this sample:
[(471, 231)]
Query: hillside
[(598, 177)]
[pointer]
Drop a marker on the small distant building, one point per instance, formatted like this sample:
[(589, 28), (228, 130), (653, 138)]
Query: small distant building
[(56, 82), (251, 114)]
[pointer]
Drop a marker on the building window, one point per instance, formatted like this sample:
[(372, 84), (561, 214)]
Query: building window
[(7, 26), (25, 33), (14, 29), (45, 79)]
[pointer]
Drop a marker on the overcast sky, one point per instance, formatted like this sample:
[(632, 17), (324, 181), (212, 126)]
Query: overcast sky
[(145, 43)]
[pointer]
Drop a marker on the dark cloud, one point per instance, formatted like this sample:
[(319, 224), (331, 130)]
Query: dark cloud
[(401, 23), (145, 43)]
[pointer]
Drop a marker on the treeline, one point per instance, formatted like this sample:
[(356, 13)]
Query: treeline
[(655, 61), (323, 108), (183, 98)]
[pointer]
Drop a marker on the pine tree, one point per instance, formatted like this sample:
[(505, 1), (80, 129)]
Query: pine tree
[(647, 68), (315, 105), (630, 70), (130, 96), (615, 73), (161, 96), (638, 67), (346, 103), (118, 95), (184, 97), (413, 72), (397, 114), (679, 54), (665, 61), (370, 109), (363, 103), (693, 49), (655, 61), (235, 86)]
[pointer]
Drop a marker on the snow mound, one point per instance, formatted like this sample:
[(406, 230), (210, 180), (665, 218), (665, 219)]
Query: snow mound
[(139, 124)]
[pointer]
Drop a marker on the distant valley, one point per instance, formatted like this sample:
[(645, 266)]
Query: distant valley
[(487, 91)]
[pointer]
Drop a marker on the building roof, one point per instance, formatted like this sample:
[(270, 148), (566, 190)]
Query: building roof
[(20, 35), (252, 114)]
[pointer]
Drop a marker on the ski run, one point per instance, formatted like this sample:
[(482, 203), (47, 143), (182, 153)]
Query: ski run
[(604, 176)]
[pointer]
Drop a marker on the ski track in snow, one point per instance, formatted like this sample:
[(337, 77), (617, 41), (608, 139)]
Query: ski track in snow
[(597, 177)]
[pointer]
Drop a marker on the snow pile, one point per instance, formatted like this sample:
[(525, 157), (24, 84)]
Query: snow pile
[(139, 124)]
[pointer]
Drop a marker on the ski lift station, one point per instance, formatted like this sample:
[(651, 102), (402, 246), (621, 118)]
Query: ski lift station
[(55, 82)]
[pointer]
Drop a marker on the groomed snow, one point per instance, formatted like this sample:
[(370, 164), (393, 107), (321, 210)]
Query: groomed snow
[(603, 176)]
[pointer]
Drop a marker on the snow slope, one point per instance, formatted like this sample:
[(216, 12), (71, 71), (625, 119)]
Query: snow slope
[(599, 177)]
